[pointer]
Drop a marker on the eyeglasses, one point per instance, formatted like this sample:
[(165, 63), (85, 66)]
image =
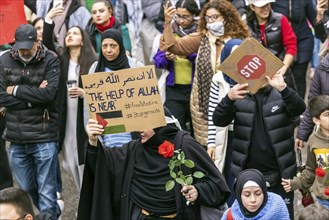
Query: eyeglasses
[(184, 17), (212, 17)]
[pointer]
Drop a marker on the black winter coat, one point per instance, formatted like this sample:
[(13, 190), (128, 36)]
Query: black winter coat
[(105, 192), (273, 34), (279, 126), (32, 115), (319, 86), (298, 14)]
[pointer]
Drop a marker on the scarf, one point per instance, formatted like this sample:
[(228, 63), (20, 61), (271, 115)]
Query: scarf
[(243, 177), (204, 76), (151, 174), (181, 32), (102, 28), (121, 62)]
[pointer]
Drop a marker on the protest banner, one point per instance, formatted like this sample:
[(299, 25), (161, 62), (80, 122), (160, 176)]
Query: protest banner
[(250, 63), (11, 16), (124, 100)]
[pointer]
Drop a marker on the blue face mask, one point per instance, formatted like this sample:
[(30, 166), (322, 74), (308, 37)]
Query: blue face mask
[(216, 28)]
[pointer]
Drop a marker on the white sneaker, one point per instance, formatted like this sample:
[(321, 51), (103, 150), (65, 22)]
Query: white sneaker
[(61, 207)]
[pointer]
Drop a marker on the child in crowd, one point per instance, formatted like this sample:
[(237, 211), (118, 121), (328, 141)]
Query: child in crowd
[(253, 201), (17, 204), (263, 134), (315, 173)]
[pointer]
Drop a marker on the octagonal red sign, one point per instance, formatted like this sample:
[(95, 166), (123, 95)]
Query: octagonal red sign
[(251, 66)]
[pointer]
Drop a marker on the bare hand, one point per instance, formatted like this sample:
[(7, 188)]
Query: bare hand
[(212, 152), (75, 92), (321, 7), (10, 90), (286, 184), (277, 81), (55, 11), (169, 12), (238, 91), (299, 143), (43, 84), (170, 56), (190, 193), (93, 130)]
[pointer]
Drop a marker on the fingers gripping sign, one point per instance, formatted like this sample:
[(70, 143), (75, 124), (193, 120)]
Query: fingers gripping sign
[(238, 91)]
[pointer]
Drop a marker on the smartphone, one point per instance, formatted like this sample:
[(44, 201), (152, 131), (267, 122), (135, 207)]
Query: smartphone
[(165, 2), (57, 3)]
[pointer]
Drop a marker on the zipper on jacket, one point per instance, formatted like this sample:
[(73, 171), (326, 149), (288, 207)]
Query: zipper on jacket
[(45, 117)]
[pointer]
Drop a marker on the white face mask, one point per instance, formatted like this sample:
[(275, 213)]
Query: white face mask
[(216, 28)]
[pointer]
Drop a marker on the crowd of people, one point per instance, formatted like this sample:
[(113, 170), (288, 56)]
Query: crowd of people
[(235, 151)]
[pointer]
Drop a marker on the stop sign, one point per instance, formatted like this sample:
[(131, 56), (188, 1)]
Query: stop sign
[(251, 66)]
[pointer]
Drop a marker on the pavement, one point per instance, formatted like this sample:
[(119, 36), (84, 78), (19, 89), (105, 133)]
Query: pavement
[(70, 194)]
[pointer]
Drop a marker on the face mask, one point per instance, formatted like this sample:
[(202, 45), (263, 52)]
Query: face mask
[(216, 28)]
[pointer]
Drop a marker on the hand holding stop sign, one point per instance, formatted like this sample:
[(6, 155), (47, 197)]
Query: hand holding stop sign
[(277, 81), (239, 91)]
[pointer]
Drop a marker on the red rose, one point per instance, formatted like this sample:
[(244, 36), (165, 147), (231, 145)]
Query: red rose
[(166, 149), (326, 191), (320, 172), (307, 198)]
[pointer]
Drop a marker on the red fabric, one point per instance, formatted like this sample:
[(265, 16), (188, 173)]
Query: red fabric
[(288, 37), (11, 16), (262, 33), (229, 214), (105, 27)]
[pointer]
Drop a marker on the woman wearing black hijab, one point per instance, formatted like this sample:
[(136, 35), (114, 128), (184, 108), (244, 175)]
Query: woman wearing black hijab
[(112, 58), (253, 201), (129, 182), (113, 54)]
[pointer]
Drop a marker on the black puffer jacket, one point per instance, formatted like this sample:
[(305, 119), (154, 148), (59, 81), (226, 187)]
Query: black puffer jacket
[(278, 112), (273, 33), (31, 115), (299, 12)]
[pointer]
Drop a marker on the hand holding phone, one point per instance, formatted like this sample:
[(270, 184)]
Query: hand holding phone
[(57, 3), (167, 3)]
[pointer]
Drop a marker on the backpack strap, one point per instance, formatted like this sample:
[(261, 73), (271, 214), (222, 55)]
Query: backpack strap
[(229, 214)]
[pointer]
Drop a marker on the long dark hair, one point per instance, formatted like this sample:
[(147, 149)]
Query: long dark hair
[(189, 5), (87, 55)]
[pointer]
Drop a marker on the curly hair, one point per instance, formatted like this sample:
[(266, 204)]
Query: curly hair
[(233, 25)]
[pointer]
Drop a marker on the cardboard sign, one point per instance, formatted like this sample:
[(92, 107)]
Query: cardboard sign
[(124, 100), (12, 15), (250, 63)]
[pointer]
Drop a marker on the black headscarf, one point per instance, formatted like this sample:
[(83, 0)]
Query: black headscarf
[(151, 173), (243, 177), (121, 62)]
